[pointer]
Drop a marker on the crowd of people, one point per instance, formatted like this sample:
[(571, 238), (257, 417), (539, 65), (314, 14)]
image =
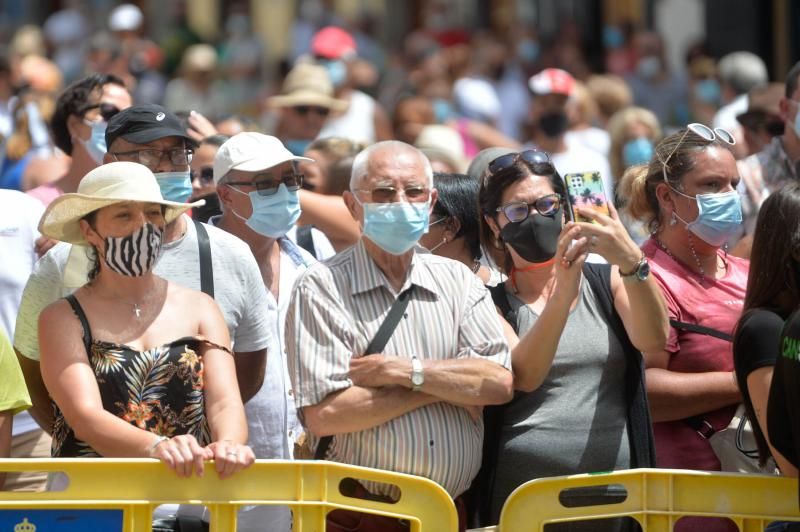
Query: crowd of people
[(387, 265)]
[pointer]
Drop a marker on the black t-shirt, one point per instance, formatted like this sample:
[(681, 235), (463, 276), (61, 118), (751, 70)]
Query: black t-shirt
[(757, 345), (783, 408)]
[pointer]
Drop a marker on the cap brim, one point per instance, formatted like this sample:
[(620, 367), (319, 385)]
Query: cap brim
[(60, 220), (262, 163), (151, 134)]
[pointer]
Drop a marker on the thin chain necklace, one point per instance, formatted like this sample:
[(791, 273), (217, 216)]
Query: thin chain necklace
[(137, 308), (702, 270)]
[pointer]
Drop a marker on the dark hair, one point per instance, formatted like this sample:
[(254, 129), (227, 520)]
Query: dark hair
[(638, 184), (772, 282), (491, 192), (74, 100), (792, 79), (458, 198), (91, 251)]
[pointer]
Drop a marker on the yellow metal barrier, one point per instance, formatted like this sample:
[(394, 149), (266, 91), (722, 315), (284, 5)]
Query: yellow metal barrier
[(657, 498), (310, 488)]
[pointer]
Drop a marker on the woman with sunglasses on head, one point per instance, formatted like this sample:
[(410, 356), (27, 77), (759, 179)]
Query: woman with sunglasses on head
[(686, 195), (574, 409), (127, 377)]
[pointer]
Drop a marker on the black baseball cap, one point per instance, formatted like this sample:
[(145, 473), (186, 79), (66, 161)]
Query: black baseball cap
[(145, 123)]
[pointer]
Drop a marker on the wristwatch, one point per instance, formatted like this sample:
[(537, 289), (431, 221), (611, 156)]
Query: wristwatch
[(417, 375), (640, 272)]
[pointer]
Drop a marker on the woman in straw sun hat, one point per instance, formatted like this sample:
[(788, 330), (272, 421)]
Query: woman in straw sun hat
[(137, 366)]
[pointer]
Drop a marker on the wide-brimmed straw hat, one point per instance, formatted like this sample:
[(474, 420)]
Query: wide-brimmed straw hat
[(308, 84), (105, 185)]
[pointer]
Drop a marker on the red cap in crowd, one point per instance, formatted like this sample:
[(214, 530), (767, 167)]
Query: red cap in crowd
[(333, 43), (552, 81)]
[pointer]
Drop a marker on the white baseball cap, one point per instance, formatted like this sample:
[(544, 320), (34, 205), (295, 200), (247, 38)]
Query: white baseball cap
[(125, 17), (251, 152)]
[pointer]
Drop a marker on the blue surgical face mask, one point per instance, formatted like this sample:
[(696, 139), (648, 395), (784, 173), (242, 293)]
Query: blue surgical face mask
[(637, 151), (175, 186), (296, 146), (442, 110), (528, 50), (273, 215), (396, 227), (613, 37), (648, 67), (719, 216), (708, 91), (96, 145), (797, 122), (337, 72)]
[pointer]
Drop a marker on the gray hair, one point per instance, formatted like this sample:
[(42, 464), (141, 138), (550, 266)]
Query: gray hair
[(742, 71), (362, 160)]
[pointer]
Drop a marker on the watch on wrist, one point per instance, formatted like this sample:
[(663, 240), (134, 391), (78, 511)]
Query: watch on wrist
[(417, 374), (640, 272)]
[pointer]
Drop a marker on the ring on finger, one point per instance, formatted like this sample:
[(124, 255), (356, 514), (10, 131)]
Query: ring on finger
[(232, 453)]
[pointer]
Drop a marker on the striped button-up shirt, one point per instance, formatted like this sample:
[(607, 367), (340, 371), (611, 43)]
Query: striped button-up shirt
[(335, 311)]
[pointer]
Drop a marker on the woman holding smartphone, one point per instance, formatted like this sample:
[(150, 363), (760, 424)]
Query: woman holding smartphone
[(576, 382)]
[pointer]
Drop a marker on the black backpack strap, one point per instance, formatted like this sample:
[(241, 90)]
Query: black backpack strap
[(640, 427), (500, 299), (206, 265), (306, 240), (700, 329), (81, 315), (375, 346)]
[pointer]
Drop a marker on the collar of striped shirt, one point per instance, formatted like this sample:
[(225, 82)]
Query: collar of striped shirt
[(368, 276)]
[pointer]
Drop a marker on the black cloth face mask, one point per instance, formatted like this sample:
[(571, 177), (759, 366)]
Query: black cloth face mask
[(554, 124), (535, 238)]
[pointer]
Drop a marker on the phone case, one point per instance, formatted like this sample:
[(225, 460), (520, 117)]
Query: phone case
[(585, 190)]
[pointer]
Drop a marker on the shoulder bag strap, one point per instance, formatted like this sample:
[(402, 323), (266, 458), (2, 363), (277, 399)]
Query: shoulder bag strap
[(306, 240), (375, 346), (206, 266), (87, 331), (640, 427)]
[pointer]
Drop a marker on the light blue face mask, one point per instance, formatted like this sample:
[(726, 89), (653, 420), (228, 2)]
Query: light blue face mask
[(296, 146), (337, 72), (797, 123), (708, 91), (273, 215), (637, 151), (719, 216), (175, 186), (395, 227), (96, 145)]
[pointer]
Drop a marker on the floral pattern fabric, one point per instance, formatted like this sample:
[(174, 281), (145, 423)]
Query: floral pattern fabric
[(159, 390)]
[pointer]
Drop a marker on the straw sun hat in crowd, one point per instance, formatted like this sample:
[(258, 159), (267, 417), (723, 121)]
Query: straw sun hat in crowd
[(106, 185), (308, 84)]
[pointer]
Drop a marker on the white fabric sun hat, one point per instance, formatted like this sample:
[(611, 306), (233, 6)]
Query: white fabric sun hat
[(106, 185)]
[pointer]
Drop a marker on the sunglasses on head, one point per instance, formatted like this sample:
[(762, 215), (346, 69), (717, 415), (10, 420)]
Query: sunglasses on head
[(305, 109), (537, 160), (705, 133)]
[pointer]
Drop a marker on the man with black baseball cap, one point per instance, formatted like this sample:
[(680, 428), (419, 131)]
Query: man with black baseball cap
[(193, 255)]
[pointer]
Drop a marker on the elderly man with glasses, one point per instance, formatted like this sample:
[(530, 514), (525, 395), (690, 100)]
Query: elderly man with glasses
[(193, 255), (407, 397)]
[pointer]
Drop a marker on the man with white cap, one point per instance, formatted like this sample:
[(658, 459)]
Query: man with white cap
[(257, 183), (193, 255), (552, 88)]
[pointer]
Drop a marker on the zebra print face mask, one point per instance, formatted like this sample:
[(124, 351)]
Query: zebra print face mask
[(135, 254)]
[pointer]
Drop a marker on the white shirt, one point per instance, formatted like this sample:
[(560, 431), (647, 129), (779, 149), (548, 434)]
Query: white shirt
[(578, 158), (357, 123), (594, 138), (19, 218), (322, 246), (726, 115)]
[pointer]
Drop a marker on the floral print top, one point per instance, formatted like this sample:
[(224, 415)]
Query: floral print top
[(159, 390)]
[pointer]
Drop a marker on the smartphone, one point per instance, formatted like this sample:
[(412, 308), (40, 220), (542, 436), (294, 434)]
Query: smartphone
[(585, 190)]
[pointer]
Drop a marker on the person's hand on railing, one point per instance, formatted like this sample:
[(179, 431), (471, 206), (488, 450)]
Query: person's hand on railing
[(181, 453), (230, 457)]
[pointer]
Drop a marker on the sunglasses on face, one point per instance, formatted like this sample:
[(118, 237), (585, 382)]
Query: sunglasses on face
[(267, 186), (413, 193), (151, 158), (303, 110), (518, 211), (106, 110), (705, 133), (537, 160), (205, 175)]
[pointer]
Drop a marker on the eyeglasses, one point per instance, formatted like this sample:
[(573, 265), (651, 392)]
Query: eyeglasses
[(151, 158), (413, 193), (267, 185), (205, 175), (107, 110), (538, 161), (518, 211), (705, 133), (305, 109)]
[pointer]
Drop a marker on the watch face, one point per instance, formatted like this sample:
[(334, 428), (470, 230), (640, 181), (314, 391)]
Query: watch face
[(417, 379), (644, 271)]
